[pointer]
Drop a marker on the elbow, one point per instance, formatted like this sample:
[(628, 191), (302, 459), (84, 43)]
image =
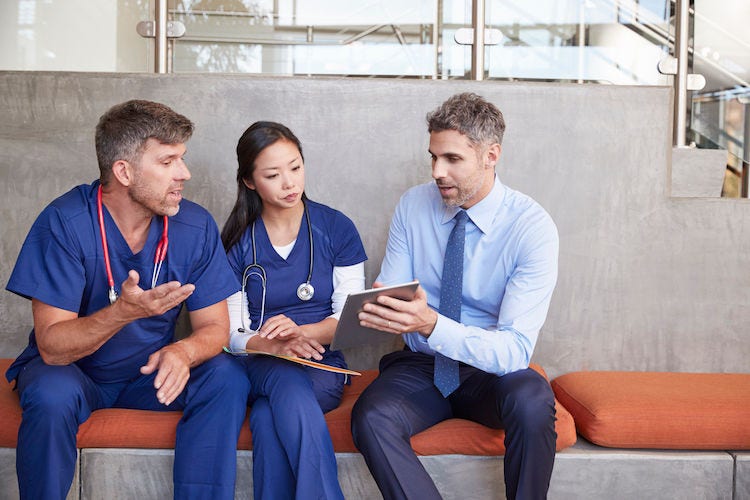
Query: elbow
[(519, 351), (57, 356), (53, 359)]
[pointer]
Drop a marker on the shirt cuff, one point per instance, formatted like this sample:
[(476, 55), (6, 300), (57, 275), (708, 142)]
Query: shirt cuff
[(444, 336), (238, 340)]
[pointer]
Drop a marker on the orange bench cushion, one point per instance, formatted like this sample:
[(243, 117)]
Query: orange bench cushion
[(120, 428), (465, 437), (699, 411)]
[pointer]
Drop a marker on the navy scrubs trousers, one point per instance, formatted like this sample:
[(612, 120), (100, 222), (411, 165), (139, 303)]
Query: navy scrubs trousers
[(404, 401), (57, 399), (293, 455)]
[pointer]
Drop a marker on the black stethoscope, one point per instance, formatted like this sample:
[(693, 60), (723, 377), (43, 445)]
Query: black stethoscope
[(305, 291), (161, 250)]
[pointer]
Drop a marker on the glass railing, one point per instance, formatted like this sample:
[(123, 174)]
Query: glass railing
[(719, 113), (74, 35), (719, 120), (331, 37), (604, 41), (587, 41), (736, 170)]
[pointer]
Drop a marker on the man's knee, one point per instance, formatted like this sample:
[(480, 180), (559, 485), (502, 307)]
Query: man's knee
[(51, 391), (530, 400), (360, 421), (373, 416)]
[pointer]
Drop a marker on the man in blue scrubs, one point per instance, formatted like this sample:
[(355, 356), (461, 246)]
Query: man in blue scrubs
[(107, 267), (486, 259)]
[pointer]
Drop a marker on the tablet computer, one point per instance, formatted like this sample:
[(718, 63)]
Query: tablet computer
[(349, 333)]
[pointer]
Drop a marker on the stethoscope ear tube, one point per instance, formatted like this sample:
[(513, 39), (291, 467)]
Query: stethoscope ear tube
[(306, 291), (111, 294)]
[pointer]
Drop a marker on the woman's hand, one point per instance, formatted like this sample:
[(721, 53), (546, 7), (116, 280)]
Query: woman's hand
[(281, 335), (302, 347), (280, 326)]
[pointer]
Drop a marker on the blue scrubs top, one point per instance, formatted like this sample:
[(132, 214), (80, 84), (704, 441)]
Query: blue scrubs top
[(61, 264), (336, 243)]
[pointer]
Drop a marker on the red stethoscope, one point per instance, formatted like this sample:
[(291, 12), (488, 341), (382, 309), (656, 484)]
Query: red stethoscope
[(161, 250)]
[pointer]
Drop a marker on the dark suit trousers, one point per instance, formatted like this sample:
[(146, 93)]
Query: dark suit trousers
[(403, 401)]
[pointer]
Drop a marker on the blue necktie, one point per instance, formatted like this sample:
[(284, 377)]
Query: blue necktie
[(446, 369)]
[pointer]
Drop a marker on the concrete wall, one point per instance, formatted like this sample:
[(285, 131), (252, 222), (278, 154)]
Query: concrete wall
[(647, 282)]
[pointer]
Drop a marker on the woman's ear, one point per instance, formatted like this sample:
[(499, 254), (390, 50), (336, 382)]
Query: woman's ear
[(249, 184)]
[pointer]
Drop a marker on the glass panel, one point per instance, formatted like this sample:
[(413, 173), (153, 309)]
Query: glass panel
[(722, 44), (605, 41), (74, 35), (326, 37), (721, 53)]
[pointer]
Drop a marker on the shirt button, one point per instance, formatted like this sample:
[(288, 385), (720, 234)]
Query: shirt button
[(439, 347)]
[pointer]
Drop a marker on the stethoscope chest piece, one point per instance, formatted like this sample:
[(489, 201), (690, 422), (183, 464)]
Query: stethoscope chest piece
[(305, 291)]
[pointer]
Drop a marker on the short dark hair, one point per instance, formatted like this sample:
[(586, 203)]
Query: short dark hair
[(470, 114), (123, 130)]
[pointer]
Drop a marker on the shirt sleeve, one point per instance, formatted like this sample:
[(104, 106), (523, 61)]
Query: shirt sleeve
[(397, 263), (522, 312), (50, 265), (213, 277), (236, 258), (346, 280), (349, 249), (239, 334)]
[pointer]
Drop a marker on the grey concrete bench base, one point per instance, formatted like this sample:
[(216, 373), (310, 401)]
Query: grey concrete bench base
[(587, 471), (742, 476), (9, 484), (584, 471)]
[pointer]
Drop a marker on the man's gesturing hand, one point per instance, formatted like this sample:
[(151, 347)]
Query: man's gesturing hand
[(135, 303)]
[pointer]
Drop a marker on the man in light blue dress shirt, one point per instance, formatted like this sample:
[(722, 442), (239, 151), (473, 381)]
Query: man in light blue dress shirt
[(509, 274)]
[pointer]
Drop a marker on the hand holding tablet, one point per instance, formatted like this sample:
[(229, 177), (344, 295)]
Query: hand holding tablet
[(349, 333)]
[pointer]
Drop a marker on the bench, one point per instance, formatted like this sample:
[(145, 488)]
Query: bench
[(111, 437), (661, 434), (659, 410)]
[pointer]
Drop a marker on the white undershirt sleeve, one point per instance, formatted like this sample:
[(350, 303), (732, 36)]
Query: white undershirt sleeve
[(346, 280), (238, 339)]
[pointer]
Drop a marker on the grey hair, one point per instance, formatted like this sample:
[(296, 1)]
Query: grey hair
[(123, 130), (473, 116)]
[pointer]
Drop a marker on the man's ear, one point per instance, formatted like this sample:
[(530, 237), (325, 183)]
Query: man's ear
[(493, 155), (122, 171)]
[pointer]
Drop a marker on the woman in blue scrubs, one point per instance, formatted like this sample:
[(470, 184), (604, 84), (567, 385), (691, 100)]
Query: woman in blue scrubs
[(297, 260)]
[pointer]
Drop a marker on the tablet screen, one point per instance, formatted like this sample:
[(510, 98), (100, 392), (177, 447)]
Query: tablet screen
[(349, 333)]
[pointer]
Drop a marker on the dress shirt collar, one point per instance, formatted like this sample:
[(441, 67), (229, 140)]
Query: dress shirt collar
[(483, 213)]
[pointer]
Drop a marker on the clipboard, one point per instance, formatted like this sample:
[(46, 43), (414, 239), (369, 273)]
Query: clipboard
[(293, 359), (349, 333)]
